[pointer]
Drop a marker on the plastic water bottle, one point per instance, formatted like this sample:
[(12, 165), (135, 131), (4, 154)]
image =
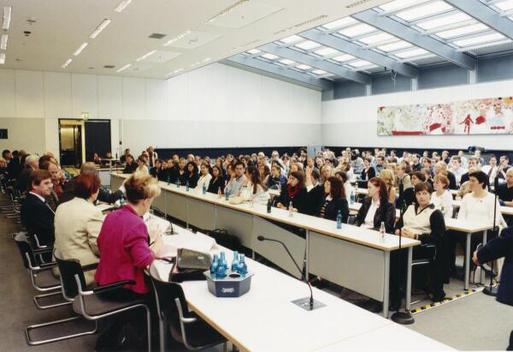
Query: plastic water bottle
[(214, 265), (187, 186), (222, 268), (177, 183), (291, 209), (219, 193), (242, 267), (226, 194), (352, 197), (382, 230), (204, 189), (339, 220), (235, 261)]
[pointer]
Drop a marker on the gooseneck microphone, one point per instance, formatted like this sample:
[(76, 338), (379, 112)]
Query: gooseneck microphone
[(307, 303)]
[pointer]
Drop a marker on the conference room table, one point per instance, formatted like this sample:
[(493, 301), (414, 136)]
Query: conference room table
[(352, 257), (265, 319), (468, 228)]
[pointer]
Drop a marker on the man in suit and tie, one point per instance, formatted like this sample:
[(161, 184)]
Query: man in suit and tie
[(36, 214)]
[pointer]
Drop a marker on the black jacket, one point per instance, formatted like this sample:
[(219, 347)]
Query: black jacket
[(452, 180), (300, 201), (37, 217), (314, 200), (191, 179), (332, 207), (213, 186), (499, 247), (130, 168), (367, 175), (385, 213)]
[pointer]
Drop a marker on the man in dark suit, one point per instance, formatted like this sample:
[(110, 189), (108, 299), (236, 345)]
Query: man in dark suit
[(36, 214)]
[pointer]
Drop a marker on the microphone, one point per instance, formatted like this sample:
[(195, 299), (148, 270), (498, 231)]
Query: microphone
[(307, 303)]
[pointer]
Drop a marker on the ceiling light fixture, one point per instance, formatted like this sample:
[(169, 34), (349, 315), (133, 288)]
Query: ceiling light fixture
[(123, 68), (66, 63), (178, 37), (148, 54), (79, 50), (122, 5), (100, 28), (7, 18), (3, 42)]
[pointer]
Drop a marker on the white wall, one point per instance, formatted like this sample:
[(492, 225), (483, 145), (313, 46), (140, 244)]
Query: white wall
[(352, 121), (216, 105)]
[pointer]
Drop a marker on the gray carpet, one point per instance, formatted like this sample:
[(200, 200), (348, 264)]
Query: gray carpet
[(476, 322)]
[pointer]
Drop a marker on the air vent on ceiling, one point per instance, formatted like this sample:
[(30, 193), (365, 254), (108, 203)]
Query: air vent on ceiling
[(356, 3), (156, 36), (109, 66)]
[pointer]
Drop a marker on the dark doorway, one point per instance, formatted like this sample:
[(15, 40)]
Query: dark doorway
[(97, 138), (71, 142)]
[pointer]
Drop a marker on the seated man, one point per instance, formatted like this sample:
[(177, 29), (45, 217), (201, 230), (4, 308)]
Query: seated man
[(36, 214), (23, 180), (505, 190)]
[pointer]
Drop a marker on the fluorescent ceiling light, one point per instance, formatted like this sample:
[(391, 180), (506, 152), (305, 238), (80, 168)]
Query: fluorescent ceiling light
[(307, 45), (100, 28), (79, 50), (343, 22), (326, 51), (398, 5), (456, 32), (122, 5), (342, 58), (401, 44), (66, 63), (269, 56), (7, 18), (376, 38), (319, 72), (254, 51), (444, 21), (287, 62), (411, 53), (303, 67), (291, 39), (360, 63), (2, 58), (357, 30), (428, 9), (478, 40), (148, 54), (504, 5), (124, 68), (178, 37), (3, 42)]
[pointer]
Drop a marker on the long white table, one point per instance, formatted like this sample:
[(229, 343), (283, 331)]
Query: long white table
[(264, 319), (343, 256)]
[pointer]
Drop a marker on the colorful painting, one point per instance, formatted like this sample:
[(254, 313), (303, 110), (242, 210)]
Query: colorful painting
[(476, 116)]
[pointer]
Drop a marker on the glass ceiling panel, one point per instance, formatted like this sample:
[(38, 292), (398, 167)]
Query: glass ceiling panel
[(361, 63), (303, 67), (307, 45), (319, 72), (428, 9), (504, 5), (478, 40), (444, 21), (327, 52), (376, 38), (269, 56), (286, 62), (291, 39), (475, 28), (399, 4), (254, 51), (357, 30), (343, 58), (412, 53), (394, 46), (343, 22)]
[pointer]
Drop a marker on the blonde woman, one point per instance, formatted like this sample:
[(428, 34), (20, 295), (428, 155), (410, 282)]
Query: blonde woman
[(388, 177)]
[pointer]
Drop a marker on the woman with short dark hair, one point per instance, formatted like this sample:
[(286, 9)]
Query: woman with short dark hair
[(335, 200), (294, 193), (191, 174)]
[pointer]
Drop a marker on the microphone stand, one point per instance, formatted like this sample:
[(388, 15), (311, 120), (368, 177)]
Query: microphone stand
[(307, 303), (490, 290)]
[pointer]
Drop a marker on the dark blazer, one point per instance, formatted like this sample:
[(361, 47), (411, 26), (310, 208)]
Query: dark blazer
[(13, 168), (368, 174), (385, 213), (499, 247), (464, 178), (452, 180), (192, 179), (334, 206), (130, 168), (315, 199), (214, 185), (300, 201), (37, 217)]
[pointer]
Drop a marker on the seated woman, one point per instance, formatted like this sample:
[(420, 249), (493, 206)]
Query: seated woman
[(276, 180), (78, 223), (141, 166), (368, 171), (130, 165), (376, 208), (217, 182), (335, 200), (124, 240), (191, 174), (159, 170), (342, 176), (254, 190), (423, 222), (315, 191), (205, 176), (442, 197), (264, 172), (404, 185), (294, 193), (387, 176)]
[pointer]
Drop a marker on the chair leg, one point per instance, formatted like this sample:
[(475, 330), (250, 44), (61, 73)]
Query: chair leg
[(60, 338), (148, 327), (48, 306)]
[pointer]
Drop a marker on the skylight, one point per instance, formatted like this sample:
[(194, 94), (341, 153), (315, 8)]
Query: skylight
[(357, 30), (303, 67), (307, 45), (504, 5), (343, 22), (287, 62), (254, 51), (376, 38), (444, 21), (343, 58), (361, 63), (319, 72), (411, 53), (291, 39), (478, 40), (326, 51), (399, 4), (428, 9), (269, 56), (478, 27), (401, 44)]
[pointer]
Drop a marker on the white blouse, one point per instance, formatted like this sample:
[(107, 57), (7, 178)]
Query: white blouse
[(204, 180), (444, 203), (480, 210)]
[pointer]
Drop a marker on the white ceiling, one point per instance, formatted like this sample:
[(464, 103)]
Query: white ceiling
[(61, 26)]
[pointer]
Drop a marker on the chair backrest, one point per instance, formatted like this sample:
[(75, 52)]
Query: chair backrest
[(68, 270)]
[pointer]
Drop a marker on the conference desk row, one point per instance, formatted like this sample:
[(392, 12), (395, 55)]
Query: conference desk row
[(264, 319)]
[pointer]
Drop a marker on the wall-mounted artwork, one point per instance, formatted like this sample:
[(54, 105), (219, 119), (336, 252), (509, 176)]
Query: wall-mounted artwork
[(476, 116)]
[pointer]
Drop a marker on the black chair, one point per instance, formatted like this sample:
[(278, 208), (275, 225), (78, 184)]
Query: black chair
[(175, 317), (426, 256)]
